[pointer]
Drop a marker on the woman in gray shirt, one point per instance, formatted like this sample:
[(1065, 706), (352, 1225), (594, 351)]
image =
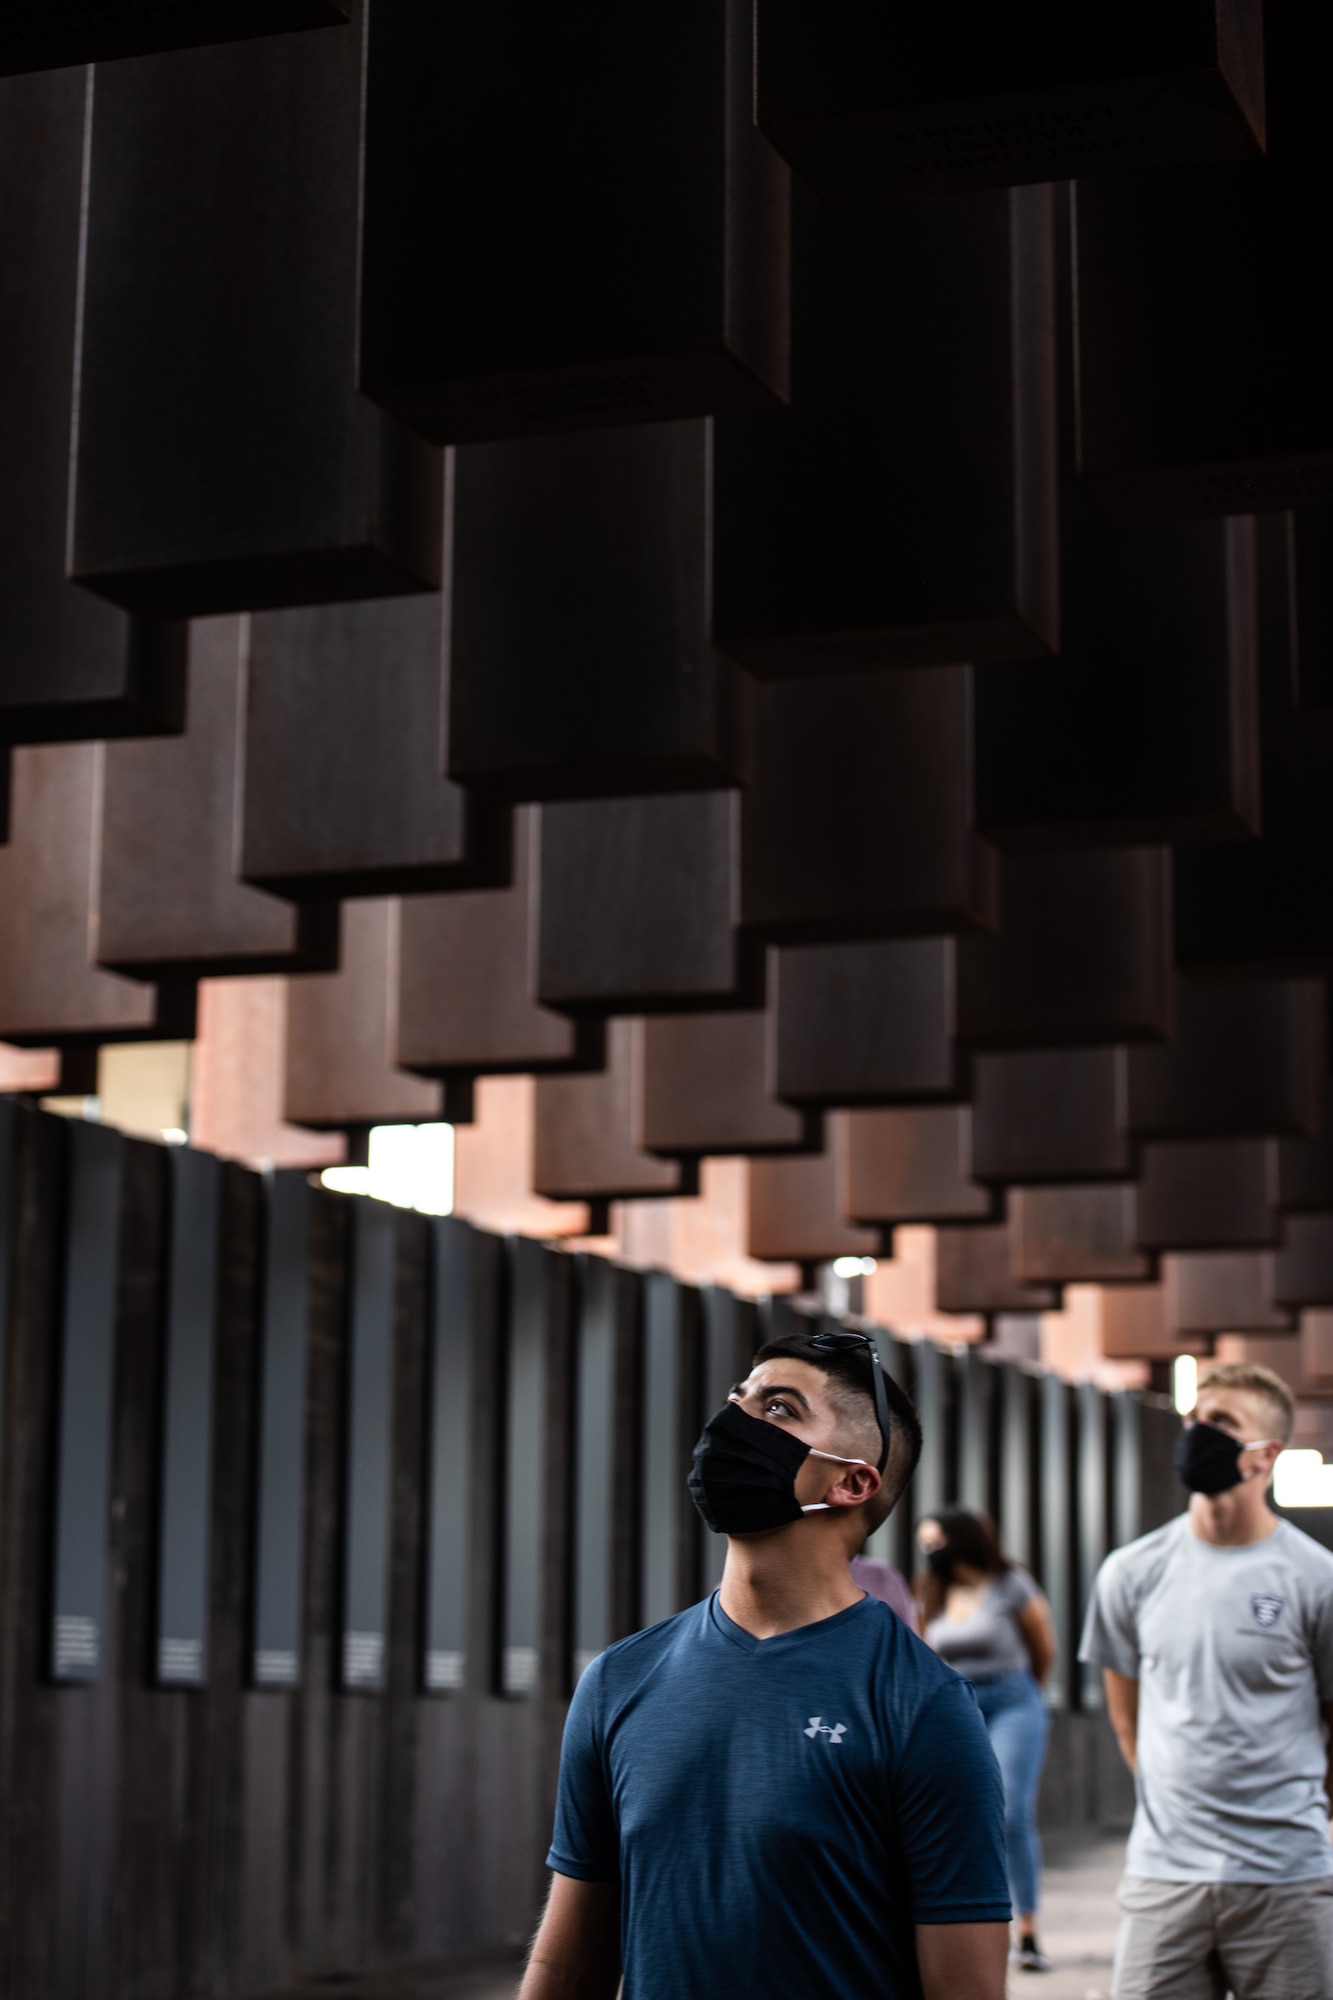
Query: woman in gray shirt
[(988, 1619)]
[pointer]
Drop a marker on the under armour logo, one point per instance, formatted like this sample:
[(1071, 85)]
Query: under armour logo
[(818, 1727), (1267, 1610)]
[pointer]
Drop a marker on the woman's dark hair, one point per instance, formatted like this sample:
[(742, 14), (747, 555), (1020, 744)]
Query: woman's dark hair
[(970, 1538)]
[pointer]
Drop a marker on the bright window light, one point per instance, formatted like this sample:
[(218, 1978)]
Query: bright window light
[(411, 1166), (1185, 1382), (853, 1267), (1301, 1479)]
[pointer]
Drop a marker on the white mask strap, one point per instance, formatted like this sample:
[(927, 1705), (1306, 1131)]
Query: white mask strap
[(822, 1506)]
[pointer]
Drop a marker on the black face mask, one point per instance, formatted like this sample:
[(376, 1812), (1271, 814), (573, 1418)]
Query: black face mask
[(1208, 1460), (743, 1478), (940, 1564)]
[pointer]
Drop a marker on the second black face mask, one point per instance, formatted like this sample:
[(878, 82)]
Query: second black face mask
[(1207, 1460), (743, 1478), (940, 1564)]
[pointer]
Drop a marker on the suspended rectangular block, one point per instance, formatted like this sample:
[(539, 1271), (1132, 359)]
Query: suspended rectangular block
[(1317, 1348), (50, 989), (606, 1463), (368, 1449), (1136, 1326), (671, 1415), (168, 902), (863, 527), (223, 460), (911, 1165), (704, 1086), (1224, 1291), (1305, 1166), (277, 1622), (630, 260), (59, 33), (339, 1068), (976, 1272), (580, 660), (1078, 1236), (793, 1212), (70, 666), (185, 1490), (1051, 1115), (1303, 1262), (636, 908), (866, 1023), (868, 104), (535, 1477), (343, 791), (1308, 545), (1247, 1063), (462, 1002), (1082, 955), (1218, 1195), (585, 1146), (860, 819)]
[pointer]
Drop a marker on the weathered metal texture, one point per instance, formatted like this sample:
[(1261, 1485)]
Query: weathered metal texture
[(607, 1402), (1220, 1291), (339, 1069), (344, 795), (860, 819), (635, 274), (1137, 1326), (792, 1210), (222, 459), (1082, 955), (533, 1582), (1092, 1417), (1197, 398), (866, 1023), (60, 33), (1303, 1264), (1305, 1166), (957, 299), (671, 1413), (636, 907), (704, 1086), (167, 903), (1216, 1195), (911, 1165), (975, 1272), (869, 105), (1247, 1064), (580, 660), (70, 666), (1042, 1116), (50, 990), (584, 1135), (1057, 1521), (1078, 1235), (463, 1004)]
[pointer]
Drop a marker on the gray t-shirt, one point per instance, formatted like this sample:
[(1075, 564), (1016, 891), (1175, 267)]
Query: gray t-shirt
[(1233, 1653), (988, 1643)]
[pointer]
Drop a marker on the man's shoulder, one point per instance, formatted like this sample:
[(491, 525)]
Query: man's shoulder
[(1137, 1565), (627, 1660), (1311, 1558)]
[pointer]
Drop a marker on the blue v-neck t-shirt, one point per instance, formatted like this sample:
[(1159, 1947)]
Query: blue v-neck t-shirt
[(779, 1814)]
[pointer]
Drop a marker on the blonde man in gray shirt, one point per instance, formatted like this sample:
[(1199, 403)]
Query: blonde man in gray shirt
[(1215, 1634)]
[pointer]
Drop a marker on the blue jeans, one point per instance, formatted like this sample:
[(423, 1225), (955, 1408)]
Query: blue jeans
[(1015, 1716)]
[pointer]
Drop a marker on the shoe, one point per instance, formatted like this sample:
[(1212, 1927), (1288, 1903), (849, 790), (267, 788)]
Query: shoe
[(1029, 1957)]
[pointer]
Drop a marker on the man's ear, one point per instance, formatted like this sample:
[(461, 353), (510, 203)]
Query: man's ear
[(854, 1485)]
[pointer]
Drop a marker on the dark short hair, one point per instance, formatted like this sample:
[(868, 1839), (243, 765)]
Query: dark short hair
[(971, 1538), (850, 1367)]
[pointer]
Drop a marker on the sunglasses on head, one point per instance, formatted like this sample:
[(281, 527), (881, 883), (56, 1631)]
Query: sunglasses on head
[(841, 1340)]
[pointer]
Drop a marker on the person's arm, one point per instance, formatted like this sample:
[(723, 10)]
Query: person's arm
[(576, 1952), (1122, 1705), (1037, 1632), (1327, 1707), (958, 1960)]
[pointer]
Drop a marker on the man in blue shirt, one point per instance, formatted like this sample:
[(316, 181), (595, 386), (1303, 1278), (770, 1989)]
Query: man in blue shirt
[(781, 1793)]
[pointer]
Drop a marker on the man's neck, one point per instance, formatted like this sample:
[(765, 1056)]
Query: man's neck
[(779, 1582), (1234, 1519)]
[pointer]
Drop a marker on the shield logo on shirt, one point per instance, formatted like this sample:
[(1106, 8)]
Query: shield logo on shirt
[(1267, 1610)]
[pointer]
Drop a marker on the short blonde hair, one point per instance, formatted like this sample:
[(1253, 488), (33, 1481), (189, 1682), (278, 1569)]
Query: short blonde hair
[(1253, 1379)]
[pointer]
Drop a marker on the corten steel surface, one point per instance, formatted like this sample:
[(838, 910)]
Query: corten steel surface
[(704, 1085), (585, 1146), (1043, 1116), (223, 460), (869, 103), (1317, 1348), (911, 1165), (607, 1404), (1309, 548), (1220, 1291), (463, 1004), (1219, 1195), (339, 1066), (792, 1210), (860, 820), (54, 34), (1247, 1063), (672, 1410), (828, 550), (1082, 955), (1303, 1262), (1077, 1235), (636, 907), (344, 794), (866, 1023), (167, 902), (1305, 1166), (976, 1272), (623, 256), (580, 659), (69, 665), (1136, 1326), (50, 990), (1203, 320)]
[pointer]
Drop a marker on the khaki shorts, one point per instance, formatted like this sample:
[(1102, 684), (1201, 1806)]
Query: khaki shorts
[(1203, 1940)]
